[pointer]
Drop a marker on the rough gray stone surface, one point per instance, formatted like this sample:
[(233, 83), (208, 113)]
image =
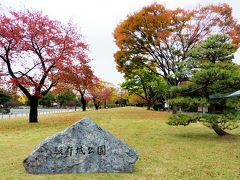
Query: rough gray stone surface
[(83, 147)]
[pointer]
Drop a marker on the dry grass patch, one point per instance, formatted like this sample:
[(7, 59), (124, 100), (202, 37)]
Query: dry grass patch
[(166, 152)]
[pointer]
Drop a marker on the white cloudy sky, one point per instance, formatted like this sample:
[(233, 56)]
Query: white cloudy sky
[(98, 19)]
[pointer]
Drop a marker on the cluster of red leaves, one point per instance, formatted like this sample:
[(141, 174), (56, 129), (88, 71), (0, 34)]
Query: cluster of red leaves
[(36, 50), (79, 77), (101, 92)]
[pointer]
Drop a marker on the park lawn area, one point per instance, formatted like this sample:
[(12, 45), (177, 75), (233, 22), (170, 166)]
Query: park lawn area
[(165, 152)]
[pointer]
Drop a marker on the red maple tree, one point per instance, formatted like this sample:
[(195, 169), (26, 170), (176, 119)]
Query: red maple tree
[(101, 92), (34, 52)]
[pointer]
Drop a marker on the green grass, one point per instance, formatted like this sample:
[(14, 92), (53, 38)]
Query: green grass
[(166, 152)]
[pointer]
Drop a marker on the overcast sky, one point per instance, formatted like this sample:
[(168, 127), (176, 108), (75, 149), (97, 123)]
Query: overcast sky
[(98, 19)]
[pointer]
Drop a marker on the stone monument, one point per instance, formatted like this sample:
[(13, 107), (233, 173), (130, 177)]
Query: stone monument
[(83, 147)]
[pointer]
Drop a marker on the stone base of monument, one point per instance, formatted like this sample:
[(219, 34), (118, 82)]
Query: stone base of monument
[(83, 147)]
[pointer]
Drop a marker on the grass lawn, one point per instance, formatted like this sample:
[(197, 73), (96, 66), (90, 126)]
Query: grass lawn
[(166, 152)]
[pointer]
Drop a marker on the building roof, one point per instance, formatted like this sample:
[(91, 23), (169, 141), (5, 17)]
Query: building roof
[(234, 94), (219, 96)]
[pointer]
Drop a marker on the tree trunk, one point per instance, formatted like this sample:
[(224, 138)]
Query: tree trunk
[(174, 109), (148, 105), (219, 130), (105, 104), (95, 103), (33, 115), (84, 103)]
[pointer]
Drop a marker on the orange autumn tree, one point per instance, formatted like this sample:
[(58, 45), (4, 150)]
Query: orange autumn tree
[(81, 79), (160, 38), (95, 92), (35, 50)]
